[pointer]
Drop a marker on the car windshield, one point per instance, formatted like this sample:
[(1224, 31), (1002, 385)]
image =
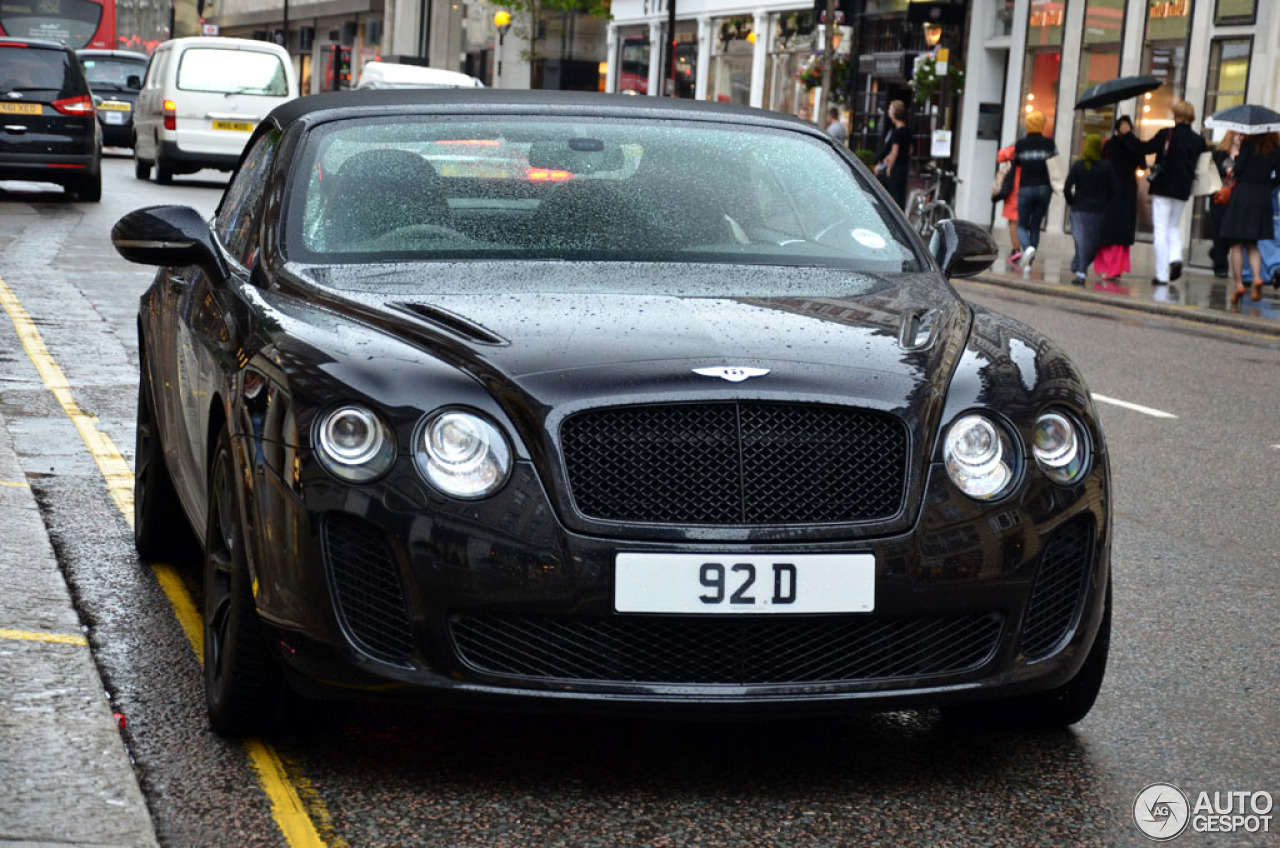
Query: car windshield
[(112, 74), (224, 71), (411, 189)]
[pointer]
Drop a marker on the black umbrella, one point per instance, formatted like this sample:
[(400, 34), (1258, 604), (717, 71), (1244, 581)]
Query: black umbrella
[(1113, 91), (1250, 120)]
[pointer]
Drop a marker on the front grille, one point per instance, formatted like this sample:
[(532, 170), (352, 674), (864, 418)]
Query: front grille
[(702, 651), (1059, 588), (366, 588), (736, 464)]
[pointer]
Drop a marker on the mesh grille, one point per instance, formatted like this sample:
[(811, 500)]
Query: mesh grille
[(700, 651), (1059, 589), (366, 586), (736, 464)]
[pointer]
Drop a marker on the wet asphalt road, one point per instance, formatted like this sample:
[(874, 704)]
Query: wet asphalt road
[(1190, 697)]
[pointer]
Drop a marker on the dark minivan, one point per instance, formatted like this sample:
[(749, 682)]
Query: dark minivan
[(48, 126), (116, 78)]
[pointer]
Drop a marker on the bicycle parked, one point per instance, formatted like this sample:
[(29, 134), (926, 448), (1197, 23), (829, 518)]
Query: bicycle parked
[(927, 206)]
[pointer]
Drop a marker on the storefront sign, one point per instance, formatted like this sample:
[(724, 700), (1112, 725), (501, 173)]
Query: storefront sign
[(940, 146)]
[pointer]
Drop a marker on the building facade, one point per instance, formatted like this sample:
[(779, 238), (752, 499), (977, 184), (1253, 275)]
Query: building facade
[(1043, 54)]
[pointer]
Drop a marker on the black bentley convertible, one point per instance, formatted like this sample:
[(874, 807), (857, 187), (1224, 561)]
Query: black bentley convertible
[(563, 401)]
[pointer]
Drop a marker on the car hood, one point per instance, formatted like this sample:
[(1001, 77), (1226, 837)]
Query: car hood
[(819, 332)]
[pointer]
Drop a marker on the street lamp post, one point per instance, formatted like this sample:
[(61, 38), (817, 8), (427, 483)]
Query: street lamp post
[(501, 20)]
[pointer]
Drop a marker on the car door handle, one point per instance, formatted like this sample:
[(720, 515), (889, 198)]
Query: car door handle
[(178, 283)]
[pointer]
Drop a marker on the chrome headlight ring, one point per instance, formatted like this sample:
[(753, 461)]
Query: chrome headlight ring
[(1060, 447), (353, 443), (981, 459), (462, 454)]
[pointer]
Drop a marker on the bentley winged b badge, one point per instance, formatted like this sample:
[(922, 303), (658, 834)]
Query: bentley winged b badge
[(731, 373)]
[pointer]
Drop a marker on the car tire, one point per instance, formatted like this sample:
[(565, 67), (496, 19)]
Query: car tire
[(141, 170), (160, 529), (244, 688), (1055, 708), (164, 176), (90, 189)]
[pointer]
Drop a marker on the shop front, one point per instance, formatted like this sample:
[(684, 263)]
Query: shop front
[(1043, 54)]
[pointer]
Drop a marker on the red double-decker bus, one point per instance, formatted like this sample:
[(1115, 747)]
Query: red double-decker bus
[(77, 23)]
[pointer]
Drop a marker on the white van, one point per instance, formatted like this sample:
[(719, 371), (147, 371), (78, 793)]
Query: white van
[(391, 75), (200, 101)]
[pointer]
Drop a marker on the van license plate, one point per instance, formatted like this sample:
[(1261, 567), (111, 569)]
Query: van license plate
[(234, 126), (20, 108)]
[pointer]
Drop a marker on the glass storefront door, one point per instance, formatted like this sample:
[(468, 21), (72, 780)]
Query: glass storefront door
[(731, 60), (1164, 56)]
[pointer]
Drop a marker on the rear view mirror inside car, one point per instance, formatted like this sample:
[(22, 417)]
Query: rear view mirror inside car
[(576, 155)]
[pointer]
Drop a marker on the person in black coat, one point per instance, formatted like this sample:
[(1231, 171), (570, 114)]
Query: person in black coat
[(1090, 188), (1176, 148), (1249, 218), (1124, 152), (894, 164)]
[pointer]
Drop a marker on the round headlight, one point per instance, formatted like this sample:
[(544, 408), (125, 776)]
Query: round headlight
[(1058, 448), (979, 457), (463, 455), (354, 444)]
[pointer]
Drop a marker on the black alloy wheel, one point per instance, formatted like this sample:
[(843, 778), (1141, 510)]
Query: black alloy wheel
[(160, 529), (244, 688)]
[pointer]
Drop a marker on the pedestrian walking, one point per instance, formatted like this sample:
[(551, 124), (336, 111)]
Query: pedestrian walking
[(1224, 159), (1124, 152), (1176, 148), (1031, 154), (835, 127), (1009, 209), (1249, 216), (894, 163), (1090, 188)]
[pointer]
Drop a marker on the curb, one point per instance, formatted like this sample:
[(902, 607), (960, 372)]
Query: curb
[(1196, 314)]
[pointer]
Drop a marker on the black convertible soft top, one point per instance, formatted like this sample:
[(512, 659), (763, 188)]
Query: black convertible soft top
[(499, 101)]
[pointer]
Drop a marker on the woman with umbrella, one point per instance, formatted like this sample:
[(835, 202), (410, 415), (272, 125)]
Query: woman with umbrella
[(1249, 218), (1124, 152)]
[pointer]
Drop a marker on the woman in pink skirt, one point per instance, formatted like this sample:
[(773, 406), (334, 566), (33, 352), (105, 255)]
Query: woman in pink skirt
[(1122, 150)]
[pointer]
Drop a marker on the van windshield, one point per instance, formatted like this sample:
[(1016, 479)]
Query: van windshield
[(246, 72)]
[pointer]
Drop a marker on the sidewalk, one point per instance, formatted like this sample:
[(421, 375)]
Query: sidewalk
[(1198, 296), (67, 778)]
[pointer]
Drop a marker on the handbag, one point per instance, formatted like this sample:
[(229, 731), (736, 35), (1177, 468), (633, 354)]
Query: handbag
[(1002, 186), (1208, 179), (1222, 196)]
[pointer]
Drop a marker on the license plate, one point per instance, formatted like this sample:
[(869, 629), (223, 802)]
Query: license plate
[(20, 108), (237, 126), (113, 106), (732, 583), (113, 117)]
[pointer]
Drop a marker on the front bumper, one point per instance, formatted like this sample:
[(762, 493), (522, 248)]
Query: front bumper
[(391, 589)]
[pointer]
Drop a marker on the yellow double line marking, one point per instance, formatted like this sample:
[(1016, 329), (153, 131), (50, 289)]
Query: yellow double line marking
[(286, 806), (33, 636)]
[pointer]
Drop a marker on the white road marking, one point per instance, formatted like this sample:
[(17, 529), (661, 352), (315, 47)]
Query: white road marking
[(1145, 410)]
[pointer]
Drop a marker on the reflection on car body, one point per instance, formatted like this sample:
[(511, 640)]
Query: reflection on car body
[(458, 416)]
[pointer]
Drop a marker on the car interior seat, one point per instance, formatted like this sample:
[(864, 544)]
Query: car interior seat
[(382, 191)]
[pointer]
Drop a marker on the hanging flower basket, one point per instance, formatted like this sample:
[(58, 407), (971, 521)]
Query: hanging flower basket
[(925, 80), (810, 76)]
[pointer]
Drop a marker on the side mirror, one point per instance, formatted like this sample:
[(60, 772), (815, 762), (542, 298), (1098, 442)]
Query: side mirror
[(168, 235), (962, 248), (134, 82)]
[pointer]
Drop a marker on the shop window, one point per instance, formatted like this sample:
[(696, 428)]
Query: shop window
[(731, 63), (795, 41), (1235, 12), (1099, 62), (633, 59), (1043, 62), (1002, 20), (1226, 85), (1164, 56), (686, 58)]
